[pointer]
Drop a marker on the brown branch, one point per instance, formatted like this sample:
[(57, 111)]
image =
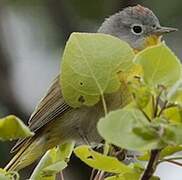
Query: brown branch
[(152, 164)]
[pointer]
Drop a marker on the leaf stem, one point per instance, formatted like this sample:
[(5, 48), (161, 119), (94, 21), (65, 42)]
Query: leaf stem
[(104, 104), (152, 164), (145, 115), (157, 103), (100, 174), (61, 175), (162, 109)]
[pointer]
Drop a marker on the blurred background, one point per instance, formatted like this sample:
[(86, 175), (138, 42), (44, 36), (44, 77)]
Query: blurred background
[(32, 37)]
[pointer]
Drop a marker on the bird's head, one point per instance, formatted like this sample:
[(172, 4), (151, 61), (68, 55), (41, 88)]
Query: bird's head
[(136, 25)]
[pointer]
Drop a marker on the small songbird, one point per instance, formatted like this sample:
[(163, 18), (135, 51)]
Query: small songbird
[(54, 122)]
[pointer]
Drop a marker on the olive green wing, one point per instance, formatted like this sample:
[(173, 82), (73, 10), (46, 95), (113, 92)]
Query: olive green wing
[(51, 106)]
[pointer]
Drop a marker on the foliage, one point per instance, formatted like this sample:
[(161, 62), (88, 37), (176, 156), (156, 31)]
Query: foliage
[(12, 128), (150, 121), (54, 161), (147, 126)]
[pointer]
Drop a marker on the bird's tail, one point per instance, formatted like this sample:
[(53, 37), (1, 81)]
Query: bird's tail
[(30, 151)]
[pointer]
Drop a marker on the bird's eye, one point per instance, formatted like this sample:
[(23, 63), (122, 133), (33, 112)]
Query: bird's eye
[(154, 26), (137, 29)]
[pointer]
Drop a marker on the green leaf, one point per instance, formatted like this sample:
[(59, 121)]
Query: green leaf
[(3, 175), (170, 150), (100, 161), (160, 66), (173, 114), (126, 176), (65, 151), (175, 94), (10, 175), (54, 168), (173, 134), (54, 161), (89, 66), (167, 151), (13, 128), (142, 96), (121, 129)]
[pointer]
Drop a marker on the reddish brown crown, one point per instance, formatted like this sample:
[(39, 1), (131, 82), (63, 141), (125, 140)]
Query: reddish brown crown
[(141, 10)]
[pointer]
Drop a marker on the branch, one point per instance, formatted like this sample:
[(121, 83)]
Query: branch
[(174, 162), (151, 167)]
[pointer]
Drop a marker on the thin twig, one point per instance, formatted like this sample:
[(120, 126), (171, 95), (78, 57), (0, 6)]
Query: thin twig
[(153, 105), (92, 174), (163, 108), (61, 175), (145, 115), (97, 175), (157, 103), (172, 158), (101, 175), (174, 162)]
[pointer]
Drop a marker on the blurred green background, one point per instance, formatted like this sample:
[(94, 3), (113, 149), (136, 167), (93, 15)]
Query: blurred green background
[(32, 37)]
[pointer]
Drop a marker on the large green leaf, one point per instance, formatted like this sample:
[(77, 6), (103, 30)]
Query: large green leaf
[(13, 128), (100, 161), (160, 65), (129, 129), (89, 66)]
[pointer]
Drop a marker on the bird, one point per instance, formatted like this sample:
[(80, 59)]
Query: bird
[(54, 122)]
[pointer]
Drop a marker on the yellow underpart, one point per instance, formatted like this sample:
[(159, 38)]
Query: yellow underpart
[(152, 40)]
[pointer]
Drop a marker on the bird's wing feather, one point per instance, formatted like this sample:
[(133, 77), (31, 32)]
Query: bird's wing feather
[(52, 105)]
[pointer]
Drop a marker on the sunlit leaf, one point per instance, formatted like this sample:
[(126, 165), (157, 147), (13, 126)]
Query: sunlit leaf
[(65, 151), (160, 65), (119, 128), (89, 66), (173, 114), (142, 96), (54, 168), (13, 128), (100, 161)]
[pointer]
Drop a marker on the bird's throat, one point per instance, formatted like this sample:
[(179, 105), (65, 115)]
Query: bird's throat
[(152, 40)]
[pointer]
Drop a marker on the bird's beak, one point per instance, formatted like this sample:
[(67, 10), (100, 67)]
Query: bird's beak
[(164, 30)]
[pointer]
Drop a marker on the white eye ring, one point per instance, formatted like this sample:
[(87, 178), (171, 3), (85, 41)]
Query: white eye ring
[(137, 29)]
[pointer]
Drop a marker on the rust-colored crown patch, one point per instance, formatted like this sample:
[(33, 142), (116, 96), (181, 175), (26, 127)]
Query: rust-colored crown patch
[(141, 10)]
